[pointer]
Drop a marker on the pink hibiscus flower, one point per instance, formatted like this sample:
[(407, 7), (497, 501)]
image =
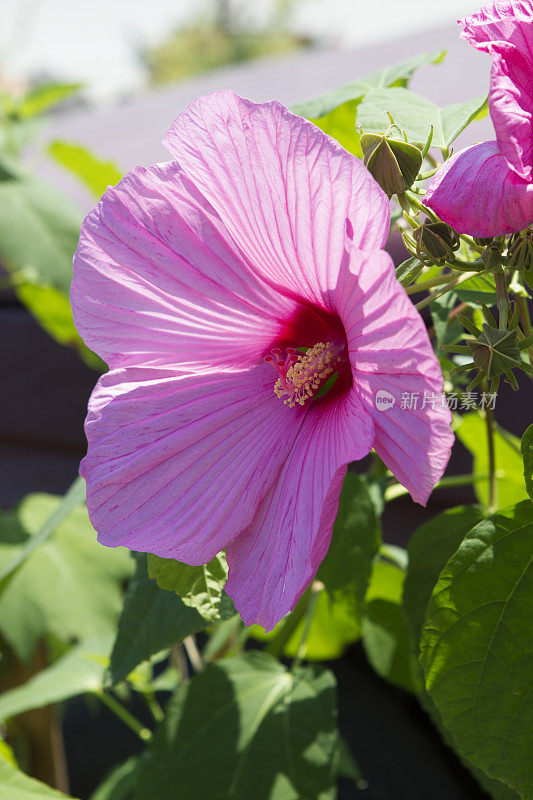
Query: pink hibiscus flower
[(487, 189), (224, 289)]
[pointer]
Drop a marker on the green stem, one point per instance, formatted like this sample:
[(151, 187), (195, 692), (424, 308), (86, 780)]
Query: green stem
[(525, 320), (153, 706), (397, 490), (144, 733), (316, 588), (429, 284), (489, 421), (502, 298), (433, 296), (414, 201)]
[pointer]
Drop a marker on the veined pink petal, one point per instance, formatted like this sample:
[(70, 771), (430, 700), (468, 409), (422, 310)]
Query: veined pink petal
[(157, 278), (392, 359), (505, 30), (289, 195), (476, 192), (275, 559), (179, 462)]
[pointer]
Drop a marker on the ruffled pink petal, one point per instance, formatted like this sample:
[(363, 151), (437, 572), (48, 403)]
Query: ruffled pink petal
[(178, 463), (158, 279), (392, 359), (476, 192), (275, 559), (288, 194), (505, 30)]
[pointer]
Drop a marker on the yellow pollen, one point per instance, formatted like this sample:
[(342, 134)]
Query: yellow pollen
[(306, 375)]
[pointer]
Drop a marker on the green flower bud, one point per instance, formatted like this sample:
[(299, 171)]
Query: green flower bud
[(520, 251), (394, 163), (436, 241)]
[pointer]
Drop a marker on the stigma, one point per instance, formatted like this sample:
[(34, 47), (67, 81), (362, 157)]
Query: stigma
[(301, 376)]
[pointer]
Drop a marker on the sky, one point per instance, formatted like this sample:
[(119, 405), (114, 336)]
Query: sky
[(97, 41)]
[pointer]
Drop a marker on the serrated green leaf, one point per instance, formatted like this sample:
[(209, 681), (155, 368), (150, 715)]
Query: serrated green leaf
[(69, 585), (526, 448), (396, 75), (152, 619), (477, 649), (415, 115), (200, 587), (269, 734), (96, 173), (80, 670), (15, 785), (509, 466)]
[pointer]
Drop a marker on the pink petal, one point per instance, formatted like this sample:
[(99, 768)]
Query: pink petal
[(275, 559), (288, 194), (476, 192), (157, 278), (179, 462), (391, 354), (505, 30)]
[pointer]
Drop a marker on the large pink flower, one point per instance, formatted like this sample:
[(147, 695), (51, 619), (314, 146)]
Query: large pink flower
[(224, 288), (487, 189)]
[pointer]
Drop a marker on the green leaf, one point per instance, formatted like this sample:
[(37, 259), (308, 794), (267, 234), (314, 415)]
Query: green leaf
[(397, 75), (409, 270), (340, 125), (509, 466), (384, 626), (15, 785), (268, 733), (200, 587), (73, 498), (477, 650), (96, 173), (526, 448), (119, 783), (446, 332), (415, 115), (152, 620), (39, 230), (80, 670), (478, 289), (69, 585), (430, 547), (45, 97)]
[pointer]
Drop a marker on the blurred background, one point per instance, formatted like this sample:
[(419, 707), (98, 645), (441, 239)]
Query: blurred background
[(87, 90)]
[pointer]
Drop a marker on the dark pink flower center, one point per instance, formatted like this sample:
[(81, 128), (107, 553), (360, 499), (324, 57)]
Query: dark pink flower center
[(303, 375)]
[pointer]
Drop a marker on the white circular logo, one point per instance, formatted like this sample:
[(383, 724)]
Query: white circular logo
[(384, 400)]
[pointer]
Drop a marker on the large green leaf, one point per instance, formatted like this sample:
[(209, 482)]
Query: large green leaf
[(478, 289), (526, 447), (15, 785), (80, 670), (152, 620), (44, 97), (200, 587), (97, 174), (477, 649), (384, 626), (415, 115), (397, 75), (69, 586), (430, 547), (509, 465), (246, 727)]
